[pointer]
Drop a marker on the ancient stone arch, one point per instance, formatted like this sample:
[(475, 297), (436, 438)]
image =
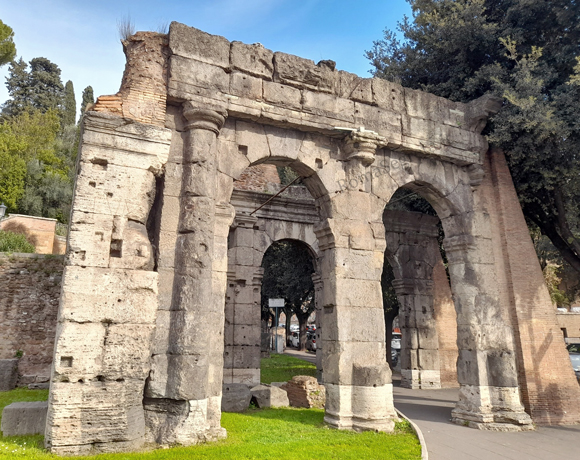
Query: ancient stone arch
[(255, 228), (139, 349)]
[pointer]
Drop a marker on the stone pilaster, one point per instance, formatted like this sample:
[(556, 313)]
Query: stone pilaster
[(356, 375), (243, 310), (412, 250), (195, 358), (317, 280), (489, 396)]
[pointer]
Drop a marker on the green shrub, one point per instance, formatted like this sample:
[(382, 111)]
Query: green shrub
[(14, 242)]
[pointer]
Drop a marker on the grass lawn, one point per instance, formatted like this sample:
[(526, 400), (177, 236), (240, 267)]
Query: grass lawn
[(281, 368), (285, 433)]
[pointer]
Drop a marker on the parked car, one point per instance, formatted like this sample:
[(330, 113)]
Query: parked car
[(396, 341), (311, 341), (575, 359), (294, 339), (294, 328)]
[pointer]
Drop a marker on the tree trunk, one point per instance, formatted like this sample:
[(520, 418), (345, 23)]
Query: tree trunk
[(559, 243), (302, 322)]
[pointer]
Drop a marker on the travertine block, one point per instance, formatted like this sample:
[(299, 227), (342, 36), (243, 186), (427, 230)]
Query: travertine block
[(253, 59), (303, 73), (95, 412), (24, 418), (328, 105), (282, 95), (101, 295), (351, 86), (243, 85), (193, 43), (388, 95), (188, 75)]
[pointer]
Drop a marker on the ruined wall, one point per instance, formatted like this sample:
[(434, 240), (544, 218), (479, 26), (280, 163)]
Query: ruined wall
[(549, 388), (571, 322), (28, 308), (259, 178)]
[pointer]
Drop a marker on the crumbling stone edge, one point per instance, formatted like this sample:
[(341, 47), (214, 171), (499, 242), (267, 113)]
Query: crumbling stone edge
[(418, 432)]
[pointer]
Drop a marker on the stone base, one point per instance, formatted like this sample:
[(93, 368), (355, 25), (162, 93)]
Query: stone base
[(250, 377), (360, 408), (496, 421), (186, 423), (417, 379)]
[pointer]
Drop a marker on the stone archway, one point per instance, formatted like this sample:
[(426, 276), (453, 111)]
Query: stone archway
[(282, 218), (152, 213)]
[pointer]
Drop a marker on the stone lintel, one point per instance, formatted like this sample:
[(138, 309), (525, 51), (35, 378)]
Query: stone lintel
[(407, 221)]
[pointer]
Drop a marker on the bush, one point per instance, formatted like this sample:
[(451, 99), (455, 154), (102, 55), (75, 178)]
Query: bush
[(14, 242)]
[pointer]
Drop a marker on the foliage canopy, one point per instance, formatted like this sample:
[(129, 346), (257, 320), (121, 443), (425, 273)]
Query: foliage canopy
[(7, 46)]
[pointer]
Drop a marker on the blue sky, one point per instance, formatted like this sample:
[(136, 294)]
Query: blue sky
[(81, 36)]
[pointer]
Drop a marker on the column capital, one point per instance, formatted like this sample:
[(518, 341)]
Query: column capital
[(362, 145), (210, 118)]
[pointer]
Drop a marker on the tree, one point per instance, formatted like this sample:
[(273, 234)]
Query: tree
[(88, 98), (288, 270), (40, 88), (7, 46), (526, 52), (18, 89), (12, 167), (70, 105)]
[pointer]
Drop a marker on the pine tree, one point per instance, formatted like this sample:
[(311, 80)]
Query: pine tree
[(18, 86), (88, 98), (7, 46), (46, 85), (70, 105), (526, 52), (40, 88)]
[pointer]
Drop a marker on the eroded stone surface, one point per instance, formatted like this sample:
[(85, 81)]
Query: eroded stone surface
[(149, 249)]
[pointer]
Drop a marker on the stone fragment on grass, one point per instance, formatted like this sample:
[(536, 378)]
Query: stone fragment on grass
[(269, 396), (235, 397)]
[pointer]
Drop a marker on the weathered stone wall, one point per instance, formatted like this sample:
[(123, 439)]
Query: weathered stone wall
[(232, 106), (28, 309), (571, 323)]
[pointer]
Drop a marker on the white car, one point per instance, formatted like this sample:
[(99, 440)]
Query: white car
[(294, 339)]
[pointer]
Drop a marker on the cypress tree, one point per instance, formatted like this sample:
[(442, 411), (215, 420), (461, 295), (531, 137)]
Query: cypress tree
[(88, 98), (70, 105)]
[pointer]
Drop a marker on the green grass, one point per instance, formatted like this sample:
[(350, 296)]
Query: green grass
[(283, 433), (281, 368)]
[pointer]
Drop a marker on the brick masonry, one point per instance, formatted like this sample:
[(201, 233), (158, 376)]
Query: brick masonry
[(571, 323), (548, 386), (28, 309)]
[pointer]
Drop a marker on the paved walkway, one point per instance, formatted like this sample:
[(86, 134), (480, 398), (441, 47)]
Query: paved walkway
[(305, 355), (431, 411)]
